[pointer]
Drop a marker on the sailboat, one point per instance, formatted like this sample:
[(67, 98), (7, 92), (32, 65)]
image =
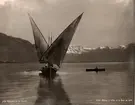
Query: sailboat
[(54, 54)]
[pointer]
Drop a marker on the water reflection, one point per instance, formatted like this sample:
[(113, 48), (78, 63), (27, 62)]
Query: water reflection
[(51, 92)]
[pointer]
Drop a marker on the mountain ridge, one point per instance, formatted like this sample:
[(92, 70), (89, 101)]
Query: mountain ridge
[(81, 49), (14, 50)]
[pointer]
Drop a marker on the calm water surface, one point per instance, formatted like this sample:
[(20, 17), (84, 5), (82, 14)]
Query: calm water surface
[(20, 84)]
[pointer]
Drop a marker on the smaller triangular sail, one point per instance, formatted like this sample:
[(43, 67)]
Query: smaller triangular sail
[(56, 52), (40, 42)]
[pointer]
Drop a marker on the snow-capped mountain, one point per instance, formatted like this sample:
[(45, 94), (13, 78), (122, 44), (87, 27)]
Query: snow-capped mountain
[(76, 49), (81, 49), (123, 46)]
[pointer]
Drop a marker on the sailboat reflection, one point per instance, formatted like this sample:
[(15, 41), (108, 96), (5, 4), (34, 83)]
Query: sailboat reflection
[(52, 92)]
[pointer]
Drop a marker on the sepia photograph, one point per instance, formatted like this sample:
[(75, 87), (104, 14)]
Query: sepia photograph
[(67, 52)]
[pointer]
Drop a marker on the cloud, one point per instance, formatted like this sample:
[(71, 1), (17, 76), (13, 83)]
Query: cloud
[(52, 1), (2, 2), (124, 2)]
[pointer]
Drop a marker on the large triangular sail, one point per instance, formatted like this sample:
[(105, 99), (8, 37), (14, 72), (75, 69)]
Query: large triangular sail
[(56, 52), (40, 42)]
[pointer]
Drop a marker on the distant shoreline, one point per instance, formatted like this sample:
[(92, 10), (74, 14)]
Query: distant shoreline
[(62, 63)]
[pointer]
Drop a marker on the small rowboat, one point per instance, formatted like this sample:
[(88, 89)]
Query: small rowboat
[(95, 69)]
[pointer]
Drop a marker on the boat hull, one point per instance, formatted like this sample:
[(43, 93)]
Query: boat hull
[(48, 73)]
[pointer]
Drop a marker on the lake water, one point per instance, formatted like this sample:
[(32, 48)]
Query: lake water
[(20, 84)]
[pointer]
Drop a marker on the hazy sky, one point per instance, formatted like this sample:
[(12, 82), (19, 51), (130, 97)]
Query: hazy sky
[(105, 22)]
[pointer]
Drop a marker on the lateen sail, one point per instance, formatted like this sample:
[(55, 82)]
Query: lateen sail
[(40, 42), (56, 52)]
